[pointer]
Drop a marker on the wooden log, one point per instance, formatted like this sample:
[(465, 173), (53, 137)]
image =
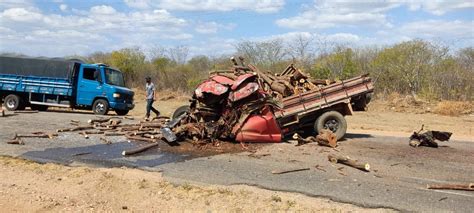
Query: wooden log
[(349, 162), (99, 120), (86, 136), (26, 111), (94, 132), (465, 187), (75, 121), (277, 172), (151, 125), (137, 138), (114, 133), (42, 135), (139, 149), (75, 129), (16, 141), (327, 138)]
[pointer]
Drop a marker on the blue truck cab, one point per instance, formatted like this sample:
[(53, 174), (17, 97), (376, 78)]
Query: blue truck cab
[(41, 83)]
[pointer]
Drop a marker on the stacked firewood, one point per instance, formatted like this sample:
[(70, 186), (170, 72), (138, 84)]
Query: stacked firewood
[(289, 82)]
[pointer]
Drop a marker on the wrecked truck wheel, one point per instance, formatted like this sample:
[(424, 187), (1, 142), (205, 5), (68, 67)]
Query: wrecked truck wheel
[(181, 110), (100, 107), (13, 102), (333, 121)]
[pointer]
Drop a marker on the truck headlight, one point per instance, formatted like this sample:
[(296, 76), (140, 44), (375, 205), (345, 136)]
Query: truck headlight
[(116, 95)]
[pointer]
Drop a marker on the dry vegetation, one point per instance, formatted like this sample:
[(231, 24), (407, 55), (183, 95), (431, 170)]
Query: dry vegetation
[(454, 108)]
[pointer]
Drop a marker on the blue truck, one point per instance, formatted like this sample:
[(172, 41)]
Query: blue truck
[(40, 83)]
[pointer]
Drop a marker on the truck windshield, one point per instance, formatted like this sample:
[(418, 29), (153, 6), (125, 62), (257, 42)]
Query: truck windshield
[(114, 77)]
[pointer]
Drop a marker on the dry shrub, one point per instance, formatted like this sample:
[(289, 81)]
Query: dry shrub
[(454, 108)]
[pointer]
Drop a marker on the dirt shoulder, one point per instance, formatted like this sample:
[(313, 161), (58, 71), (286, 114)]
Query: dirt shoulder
[(402, 124), (29, 186)]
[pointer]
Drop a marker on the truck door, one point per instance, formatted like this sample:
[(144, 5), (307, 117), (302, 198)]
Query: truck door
[(89, 85)]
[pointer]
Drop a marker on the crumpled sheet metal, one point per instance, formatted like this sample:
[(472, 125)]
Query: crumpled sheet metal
[(210, 87)]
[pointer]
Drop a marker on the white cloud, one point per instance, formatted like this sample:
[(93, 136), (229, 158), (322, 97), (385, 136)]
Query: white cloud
[(456, 29), (328, 14), (101, 27), (139, 4), (212, 27), (63, 7), (103, 10), (260, 6), (440, 7)]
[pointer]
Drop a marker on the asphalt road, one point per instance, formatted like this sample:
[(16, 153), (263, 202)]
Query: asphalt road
[(398, 178)]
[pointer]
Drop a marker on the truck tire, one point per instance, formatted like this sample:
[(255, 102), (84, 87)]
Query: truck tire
[(122, 111), (181, 110), (39, 107), (100, 107), (13, 102), (333, 121)]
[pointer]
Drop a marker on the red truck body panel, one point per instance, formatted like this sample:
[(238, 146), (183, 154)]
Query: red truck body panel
[(260, 128)]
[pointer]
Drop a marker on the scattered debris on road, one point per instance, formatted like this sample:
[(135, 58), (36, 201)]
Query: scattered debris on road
[(349, 162), (139, 149), (278, 172), (16, 141), (25, 111), (324, 138), (428, 138), (465, 187)]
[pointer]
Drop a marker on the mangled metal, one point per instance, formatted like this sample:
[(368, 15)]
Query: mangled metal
[(428, 138)]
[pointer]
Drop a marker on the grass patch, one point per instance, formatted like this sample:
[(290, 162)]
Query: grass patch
[(453, 108)]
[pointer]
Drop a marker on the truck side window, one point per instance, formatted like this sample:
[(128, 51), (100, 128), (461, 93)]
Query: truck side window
[(89, 74)]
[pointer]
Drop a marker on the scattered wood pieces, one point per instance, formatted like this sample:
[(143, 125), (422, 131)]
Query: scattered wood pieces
[(465, 187), (139, 149), (325, 138), (277, 172), (258, 156), (319, 167), (35, 135), (16, 141), (349, 162), (137, 138), (25, 111), (98, 120), (105, 140)]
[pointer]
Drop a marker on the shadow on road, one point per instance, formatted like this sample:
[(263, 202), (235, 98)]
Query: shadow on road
[(357, 135)]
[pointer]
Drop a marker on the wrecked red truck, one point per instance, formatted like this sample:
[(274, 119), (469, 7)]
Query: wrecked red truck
[(248, 105)]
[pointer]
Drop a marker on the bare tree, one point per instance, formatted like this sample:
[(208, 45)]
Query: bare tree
[(178, 54)]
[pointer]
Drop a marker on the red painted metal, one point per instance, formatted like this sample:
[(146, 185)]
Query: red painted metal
[(222, 80), (212, 87), (260, 128), (243, 92), (242, 79)]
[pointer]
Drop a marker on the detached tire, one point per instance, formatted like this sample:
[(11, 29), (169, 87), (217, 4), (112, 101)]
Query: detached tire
[(39, 107), (181, 110), (333, 121), (13, 102), (100, 107), (121, 112)]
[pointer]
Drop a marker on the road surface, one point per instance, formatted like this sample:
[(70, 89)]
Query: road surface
[(398, 178)]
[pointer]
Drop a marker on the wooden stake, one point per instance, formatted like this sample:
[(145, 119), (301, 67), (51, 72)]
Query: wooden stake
[(349, 162), (277, 172), (465, 187), (139, 149), (16, 141)]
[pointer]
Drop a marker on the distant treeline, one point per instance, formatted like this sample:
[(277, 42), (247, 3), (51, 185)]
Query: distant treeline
[(417, 67)]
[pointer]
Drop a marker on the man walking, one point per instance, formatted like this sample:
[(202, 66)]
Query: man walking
[(150, 98)]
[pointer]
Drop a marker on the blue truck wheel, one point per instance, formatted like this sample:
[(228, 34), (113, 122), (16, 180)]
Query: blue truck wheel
[(100, 107), (13, 102)]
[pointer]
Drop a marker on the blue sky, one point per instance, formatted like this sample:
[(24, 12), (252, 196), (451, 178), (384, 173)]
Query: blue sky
[(59, 28)]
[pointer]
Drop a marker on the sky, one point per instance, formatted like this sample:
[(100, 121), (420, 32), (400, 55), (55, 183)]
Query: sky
[(58, 28)]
